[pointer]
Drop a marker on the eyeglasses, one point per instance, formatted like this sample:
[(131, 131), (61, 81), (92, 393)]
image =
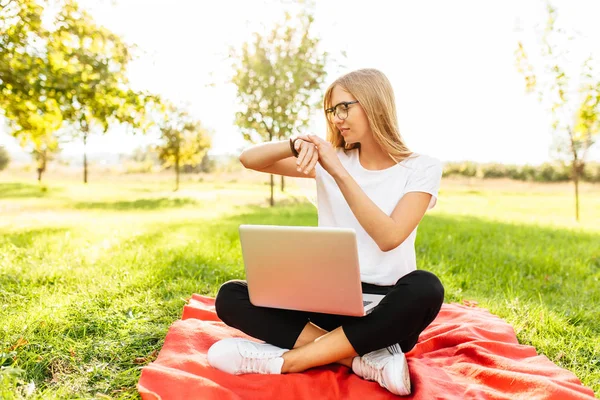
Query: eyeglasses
[(340, 110)]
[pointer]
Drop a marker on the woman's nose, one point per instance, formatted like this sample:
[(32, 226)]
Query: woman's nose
[(337, 121)]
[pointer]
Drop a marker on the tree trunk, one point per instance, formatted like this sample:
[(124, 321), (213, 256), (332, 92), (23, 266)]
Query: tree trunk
[(176, 174), (577, 172), (272, 202), (576, 180), (85, 170), (41, 162), (282, 178)]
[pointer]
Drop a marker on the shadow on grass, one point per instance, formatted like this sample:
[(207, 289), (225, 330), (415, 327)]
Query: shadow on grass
[(26, 238), (210, 253), (475, 258), (488, 260), (26, 190), (140, 204)]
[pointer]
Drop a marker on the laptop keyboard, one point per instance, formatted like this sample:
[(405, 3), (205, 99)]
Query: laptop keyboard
[(366, 303)]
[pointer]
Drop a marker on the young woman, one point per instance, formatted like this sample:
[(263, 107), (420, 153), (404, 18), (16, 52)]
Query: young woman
[(367, 179)]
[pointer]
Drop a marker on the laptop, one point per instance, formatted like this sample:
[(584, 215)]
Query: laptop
[(304, 268)]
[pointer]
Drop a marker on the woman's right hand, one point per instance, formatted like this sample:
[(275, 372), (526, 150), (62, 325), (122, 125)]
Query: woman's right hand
[(308, 157)]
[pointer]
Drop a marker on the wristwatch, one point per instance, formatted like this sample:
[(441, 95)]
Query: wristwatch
[(293, 147)]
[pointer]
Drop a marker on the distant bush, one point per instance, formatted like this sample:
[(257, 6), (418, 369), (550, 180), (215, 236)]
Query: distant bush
[(591, 172), (4, 158), (144, 161), (552, 173), (207, 165), (466, 168), (138, 167), (547, 172), (141, 161), (494, 171)]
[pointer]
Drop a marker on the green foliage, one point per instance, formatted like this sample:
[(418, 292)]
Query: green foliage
[(183, 140), (207, 165), (27, 96), (4, 158), (142, 160), (494, 171), (20, 25), (546, 172), (278, 78), (575, 109), (466, 168), (525, 173), (591, 172), (74, 72), (94, 62), (138, 167)]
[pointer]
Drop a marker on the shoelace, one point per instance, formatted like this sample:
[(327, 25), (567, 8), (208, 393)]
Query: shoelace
[(254, 361), (373, 370), (395, 349)]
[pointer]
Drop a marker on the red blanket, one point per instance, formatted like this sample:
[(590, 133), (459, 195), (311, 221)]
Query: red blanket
[(466, 353)]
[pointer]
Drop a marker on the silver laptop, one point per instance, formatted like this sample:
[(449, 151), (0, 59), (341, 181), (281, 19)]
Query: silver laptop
[(304, 268)]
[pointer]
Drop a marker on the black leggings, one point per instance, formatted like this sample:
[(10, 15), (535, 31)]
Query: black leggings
[(406, 310)]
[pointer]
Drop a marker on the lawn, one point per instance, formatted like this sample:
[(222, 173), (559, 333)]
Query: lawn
[(92, 276)]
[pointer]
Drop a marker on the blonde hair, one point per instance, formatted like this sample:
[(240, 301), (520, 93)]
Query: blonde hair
[(374, 92)]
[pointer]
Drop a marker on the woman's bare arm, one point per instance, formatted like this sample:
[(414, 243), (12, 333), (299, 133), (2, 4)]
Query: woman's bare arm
[(274, 158)]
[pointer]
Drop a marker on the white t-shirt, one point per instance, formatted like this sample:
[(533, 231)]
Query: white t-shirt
[(418, 173)]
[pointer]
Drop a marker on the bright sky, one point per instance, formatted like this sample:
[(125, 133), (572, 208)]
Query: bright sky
[(452, 66)]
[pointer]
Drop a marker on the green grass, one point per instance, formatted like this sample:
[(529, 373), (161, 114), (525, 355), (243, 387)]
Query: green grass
[(92, 277)]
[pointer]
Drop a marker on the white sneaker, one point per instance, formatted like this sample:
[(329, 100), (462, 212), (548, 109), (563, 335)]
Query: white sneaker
[(387, 366), (241, 356)]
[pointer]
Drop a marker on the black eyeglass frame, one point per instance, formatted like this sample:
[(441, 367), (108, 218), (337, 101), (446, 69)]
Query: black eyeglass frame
[(331, 110)]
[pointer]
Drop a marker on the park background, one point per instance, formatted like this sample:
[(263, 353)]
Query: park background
[(121, 190)]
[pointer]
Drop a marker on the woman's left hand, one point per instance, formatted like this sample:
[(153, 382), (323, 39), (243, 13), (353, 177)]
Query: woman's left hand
[(328, 157)]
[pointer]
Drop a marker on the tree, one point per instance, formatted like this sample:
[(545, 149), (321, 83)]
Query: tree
[(26, 95), (20, 32), (207, 164), (278, 78), (183, 140), (4, 158), (33, 118), (575, 113), (74, 73), (34, 124), (93, 86), (37, 130)]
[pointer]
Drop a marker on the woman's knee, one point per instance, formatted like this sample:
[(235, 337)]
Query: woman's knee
[(228, 298), (431, 289), (429, 295)]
